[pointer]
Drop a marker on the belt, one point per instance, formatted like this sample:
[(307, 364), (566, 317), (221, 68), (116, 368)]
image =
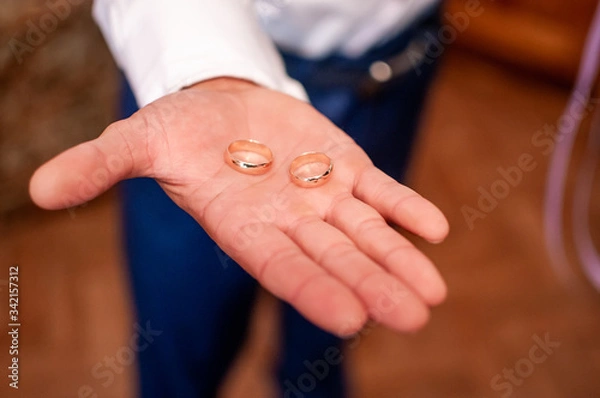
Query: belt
[(376, 70)]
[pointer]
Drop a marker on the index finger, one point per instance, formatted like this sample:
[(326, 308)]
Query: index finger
[(285, 270)]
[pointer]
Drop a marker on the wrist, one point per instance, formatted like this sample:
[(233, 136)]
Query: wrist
[(223, 84)]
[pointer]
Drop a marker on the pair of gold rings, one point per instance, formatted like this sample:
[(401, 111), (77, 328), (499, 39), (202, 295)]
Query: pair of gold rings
[(310, 169)]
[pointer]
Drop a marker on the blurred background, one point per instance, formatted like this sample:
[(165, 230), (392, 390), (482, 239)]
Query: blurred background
[(504, 79)]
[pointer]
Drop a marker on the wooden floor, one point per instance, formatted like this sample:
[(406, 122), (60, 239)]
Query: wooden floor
[(75, 308)]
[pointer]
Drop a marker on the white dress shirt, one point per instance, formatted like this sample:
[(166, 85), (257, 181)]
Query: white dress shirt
[(165, 45)]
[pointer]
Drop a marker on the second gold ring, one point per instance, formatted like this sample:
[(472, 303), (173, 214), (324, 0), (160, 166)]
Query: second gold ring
[(311, 169)]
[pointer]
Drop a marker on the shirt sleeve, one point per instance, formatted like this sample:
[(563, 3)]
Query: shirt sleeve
[(165, 45)]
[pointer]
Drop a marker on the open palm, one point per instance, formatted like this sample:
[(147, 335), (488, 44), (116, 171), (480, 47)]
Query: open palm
[(328, 251)]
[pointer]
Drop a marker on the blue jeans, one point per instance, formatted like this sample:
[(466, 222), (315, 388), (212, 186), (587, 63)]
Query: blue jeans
[(199, 298)]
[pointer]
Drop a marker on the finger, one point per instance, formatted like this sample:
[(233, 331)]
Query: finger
[(89, 169), (388, 300), (369, 231), (401, 205), (284, 269)]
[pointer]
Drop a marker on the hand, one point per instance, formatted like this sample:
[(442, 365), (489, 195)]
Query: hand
[(328, 251)]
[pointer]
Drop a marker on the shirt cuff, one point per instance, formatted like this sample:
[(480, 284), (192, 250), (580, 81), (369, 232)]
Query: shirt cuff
[(165, 45)]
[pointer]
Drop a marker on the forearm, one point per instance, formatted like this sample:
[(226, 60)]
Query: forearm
[(163, 46)]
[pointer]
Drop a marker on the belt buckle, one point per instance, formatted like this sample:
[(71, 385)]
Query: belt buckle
[(382, 73)]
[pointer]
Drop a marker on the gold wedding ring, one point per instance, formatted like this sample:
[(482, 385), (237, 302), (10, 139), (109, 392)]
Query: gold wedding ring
[(311, 169), (249, 157)]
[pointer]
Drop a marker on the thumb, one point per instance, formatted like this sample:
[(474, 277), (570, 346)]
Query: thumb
[(89, 169)]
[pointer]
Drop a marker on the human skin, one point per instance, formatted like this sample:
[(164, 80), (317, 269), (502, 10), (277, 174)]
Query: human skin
[(328, 251)]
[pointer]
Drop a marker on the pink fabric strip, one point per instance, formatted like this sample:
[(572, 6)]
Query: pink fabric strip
[(559, 165), (586, 251)]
